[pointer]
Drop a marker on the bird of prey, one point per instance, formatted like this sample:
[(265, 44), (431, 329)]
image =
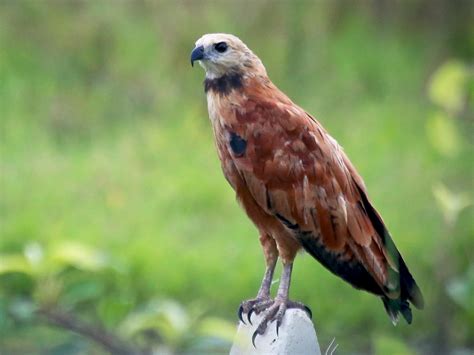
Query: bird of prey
[(297, 186)]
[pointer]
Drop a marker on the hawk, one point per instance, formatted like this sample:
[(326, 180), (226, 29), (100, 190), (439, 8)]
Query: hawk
[(297, 186)]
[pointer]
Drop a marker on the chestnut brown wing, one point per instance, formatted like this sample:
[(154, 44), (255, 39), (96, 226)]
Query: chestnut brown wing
[(296, 172)]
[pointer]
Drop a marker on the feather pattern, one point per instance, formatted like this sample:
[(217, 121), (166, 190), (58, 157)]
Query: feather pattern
[(297, 175), (297, 185)]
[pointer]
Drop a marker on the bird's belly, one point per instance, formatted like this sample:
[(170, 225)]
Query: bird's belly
[(231, 147), (288, 246)]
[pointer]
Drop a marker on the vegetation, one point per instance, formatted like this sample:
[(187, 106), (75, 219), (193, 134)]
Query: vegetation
[(115, 217)]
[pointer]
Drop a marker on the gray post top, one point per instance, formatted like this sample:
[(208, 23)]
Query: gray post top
[(296, 336)]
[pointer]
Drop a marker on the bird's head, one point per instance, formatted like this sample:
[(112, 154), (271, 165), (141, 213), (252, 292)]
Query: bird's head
[(223, 54)]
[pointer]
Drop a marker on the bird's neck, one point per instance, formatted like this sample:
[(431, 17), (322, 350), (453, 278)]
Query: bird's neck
[(224, 84)]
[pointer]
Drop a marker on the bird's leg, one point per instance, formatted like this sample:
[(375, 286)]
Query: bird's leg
[(264, 290), (263, 295), (263, 299), (278, 307)]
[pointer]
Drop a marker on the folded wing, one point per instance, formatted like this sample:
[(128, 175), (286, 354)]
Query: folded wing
[(299, 174)]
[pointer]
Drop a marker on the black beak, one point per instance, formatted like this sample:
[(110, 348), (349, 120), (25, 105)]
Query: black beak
[(197, 54)]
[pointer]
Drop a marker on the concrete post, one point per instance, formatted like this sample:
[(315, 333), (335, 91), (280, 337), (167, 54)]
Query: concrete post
[(296, 336)]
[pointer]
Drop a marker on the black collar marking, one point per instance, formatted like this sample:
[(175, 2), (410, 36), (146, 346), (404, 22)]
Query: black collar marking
[(223, 85)]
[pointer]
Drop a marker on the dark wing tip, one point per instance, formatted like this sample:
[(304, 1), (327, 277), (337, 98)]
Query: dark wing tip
[(394, 307), (410, 289), (416, 296)]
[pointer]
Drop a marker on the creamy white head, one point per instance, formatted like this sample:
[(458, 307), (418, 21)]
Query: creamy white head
[(223, 54)]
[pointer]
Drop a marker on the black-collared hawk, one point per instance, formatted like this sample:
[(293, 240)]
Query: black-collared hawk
[(297, 186)]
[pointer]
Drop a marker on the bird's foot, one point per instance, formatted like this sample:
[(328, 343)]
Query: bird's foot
[(275, 311), (254, 305)]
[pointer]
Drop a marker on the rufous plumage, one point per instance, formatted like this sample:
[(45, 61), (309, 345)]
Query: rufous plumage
[(296, 184)]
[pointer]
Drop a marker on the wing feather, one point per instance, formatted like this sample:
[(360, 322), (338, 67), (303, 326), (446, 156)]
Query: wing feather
[(297, 172), (297, 185)]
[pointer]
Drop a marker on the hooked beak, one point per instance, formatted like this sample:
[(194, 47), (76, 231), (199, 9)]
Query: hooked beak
[(197, 54)]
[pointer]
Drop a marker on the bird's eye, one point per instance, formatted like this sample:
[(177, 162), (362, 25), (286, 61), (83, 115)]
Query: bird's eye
[(221, 47)]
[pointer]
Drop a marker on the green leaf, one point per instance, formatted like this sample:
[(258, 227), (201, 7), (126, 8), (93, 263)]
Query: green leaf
[(448, 85), (86, 290), (217, 327), (112, 310), (443, 134), (79, 256), (450, 203), (14, 263), (166, 317)]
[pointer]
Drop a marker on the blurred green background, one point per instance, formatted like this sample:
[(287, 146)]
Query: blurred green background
[(113, 208)]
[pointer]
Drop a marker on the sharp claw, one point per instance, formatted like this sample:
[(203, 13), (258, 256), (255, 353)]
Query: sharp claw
[(278, 324), (239, 313), (308, 310), (250, 315), (253, 338)]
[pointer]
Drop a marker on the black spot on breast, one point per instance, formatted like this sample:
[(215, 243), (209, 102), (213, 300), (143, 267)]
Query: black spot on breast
[(223, 85), (237, 144)]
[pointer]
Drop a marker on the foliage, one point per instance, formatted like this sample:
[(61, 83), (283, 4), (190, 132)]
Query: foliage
[(74, 279), (113, 208)]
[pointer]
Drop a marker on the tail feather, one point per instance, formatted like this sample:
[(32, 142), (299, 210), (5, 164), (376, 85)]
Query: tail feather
[(409, 291), (409, 288), (394, 307)]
